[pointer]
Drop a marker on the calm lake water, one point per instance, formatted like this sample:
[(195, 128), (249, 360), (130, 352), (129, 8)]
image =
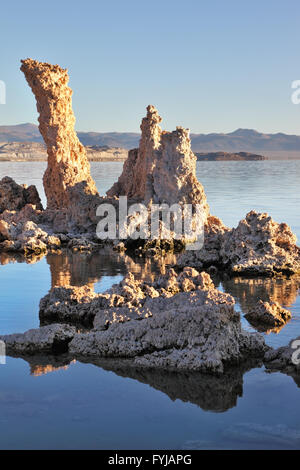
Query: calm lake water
[(56, 403)]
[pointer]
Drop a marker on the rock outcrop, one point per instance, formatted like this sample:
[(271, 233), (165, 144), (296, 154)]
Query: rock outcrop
[(211, 393), (26, 231), (67, 160), (162, 170), (268, 314), (51, 338), (176, 322), (13, 196), (209, 254), (259, 245)]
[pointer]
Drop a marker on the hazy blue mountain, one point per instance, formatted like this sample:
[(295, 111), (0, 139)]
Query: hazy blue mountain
[(246, 140)]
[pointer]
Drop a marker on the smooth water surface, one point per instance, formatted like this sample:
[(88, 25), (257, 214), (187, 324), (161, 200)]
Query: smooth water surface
[(53, 402)]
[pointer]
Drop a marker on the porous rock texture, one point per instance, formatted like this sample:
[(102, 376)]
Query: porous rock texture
[(26, 231), (50, 338), (14, 197), (269, 314), (176, 322), (67, 161), (162, 170), (209, 254), (259, 245)]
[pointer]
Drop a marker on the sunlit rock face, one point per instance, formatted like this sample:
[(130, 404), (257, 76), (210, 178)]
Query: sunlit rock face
[(67, 160), (259, 245), (162, 169)]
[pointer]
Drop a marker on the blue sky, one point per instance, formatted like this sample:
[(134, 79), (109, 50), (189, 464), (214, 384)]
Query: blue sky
[(212, 66)]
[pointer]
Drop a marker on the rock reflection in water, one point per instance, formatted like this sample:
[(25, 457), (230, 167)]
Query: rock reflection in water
[(249, 291), (6, 258), (210, 393), (79, 269)]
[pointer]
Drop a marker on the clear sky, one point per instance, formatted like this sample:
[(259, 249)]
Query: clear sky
[(212, 66)]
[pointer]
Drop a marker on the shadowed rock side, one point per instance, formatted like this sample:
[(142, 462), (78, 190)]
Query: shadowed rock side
[(13, 196), (267, 315), (67, 160)]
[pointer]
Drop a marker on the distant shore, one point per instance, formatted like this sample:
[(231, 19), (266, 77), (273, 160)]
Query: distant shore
[(36, 152)]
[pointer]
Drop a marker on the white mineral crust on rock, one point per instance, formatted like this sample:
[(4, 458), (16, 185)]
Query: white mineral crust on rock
[(178, 321)]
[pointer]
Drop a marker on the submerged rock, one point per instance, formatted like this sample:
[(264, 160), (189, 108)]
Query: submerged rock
[(268, 314), (51, 338)]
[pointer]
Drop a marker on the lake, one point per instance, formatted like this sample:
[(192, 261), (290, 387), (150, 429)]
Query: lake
[(57, 403)]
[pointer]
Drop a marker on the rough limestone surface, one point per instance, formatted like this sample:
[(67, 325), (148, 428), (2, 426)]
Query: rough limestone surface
[(269, 314), (67, 160), (14, 197), (26, 231), (259, 245), (209, 254), (162, 170), (176, 322), (51, 338), (123, 302), (196, 330)]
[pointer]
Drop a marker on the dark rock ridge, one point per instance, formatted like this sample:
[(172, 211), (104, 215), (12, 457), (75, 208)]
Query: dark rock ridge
[(226, 156)]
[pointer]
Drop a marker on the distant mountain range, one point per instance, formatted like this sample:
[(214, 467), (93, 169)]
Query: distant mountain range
[(246, 140)]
